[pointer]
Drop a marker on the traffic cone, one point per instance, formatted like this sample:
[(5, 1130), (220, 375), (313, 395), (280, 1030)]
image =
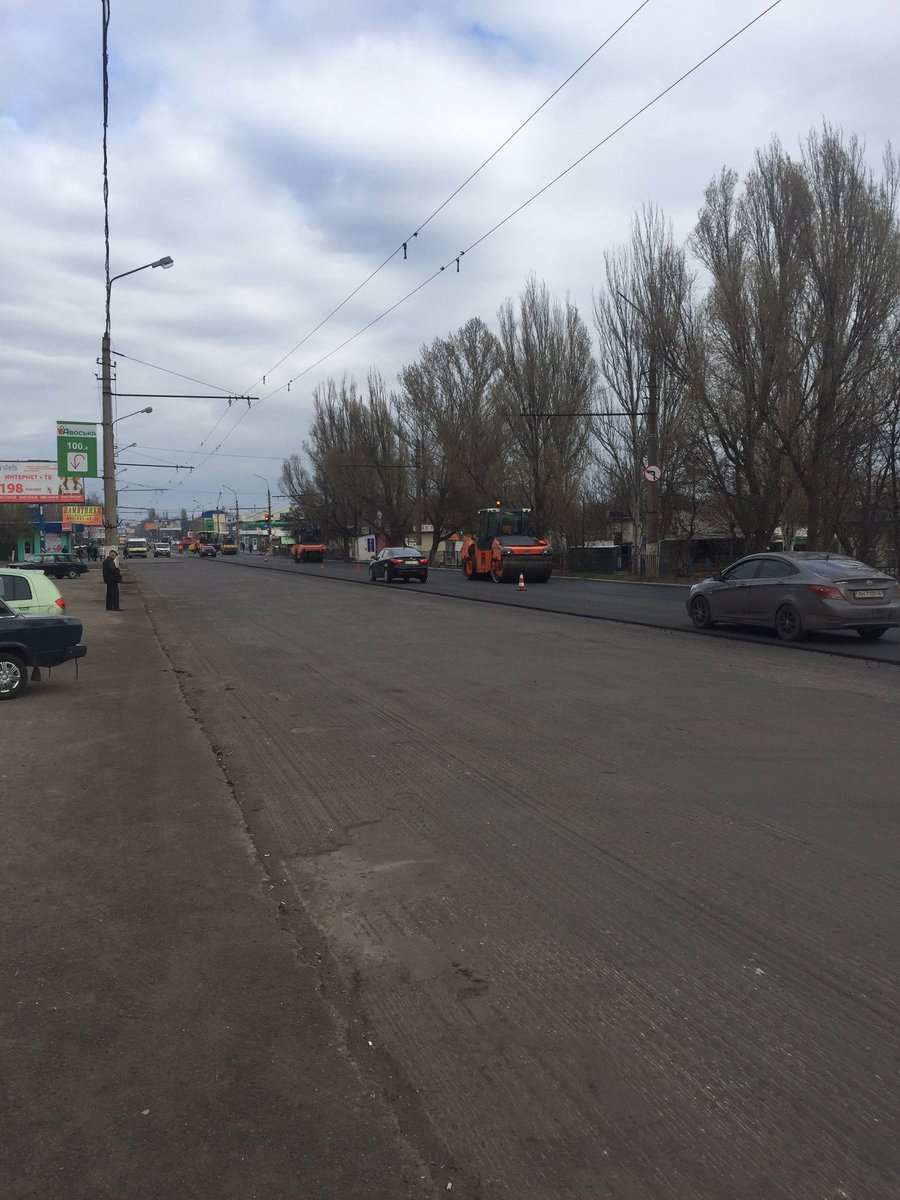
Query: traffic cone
[(357, 568), (521, 583)]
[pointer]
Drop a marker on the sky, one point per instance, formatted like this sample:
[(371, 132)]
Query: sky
[(280, 151)]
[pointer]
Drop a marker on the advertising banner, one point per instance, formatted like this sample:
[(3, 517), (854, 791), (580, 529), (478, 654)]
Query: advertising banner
[(37, 482), (76, 448), (82, 514)]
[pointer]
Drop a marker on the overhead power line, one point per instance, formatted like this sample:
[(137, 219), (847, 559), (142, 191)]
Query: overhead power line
[(177, 375), (261, 457), (410, 237), (455, 261)]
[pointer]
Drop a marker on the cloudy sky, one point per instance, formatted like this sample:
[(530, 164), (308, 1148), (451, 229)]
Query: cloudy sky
[(281, 150)]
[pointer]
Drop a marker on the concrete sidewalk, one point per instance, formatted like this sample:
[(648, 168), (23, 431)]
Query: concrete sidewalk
[(163, 1036)]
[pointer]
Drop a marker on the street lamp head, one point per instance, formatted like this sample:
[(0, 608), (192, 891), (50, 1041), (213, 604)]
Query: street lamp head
[(149, 408), (164, 262)]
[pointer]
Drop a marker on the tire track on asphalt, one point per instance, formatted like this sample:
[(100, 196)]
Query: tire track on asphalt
[(619, 1041), (869, 654)]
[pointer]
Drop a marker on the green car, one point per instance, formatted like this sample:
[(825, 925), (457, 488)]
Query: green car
[(31, 593)]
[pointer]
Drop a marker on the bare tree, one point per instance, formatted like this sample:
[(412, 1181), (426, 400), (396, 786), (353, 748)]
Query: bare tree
[(639, 321), (548, 380), (852, 256), (746, 358), (448, 409), (357, 458)]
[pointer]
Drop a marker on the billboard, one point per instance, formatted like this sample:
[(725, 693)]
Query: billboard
[(37, 482), (76, 448), (81, 514)]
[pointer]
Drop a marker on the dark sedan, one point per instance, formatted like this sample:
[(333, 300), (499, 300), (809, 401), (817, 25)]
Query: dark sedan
[(29, 642), (208, 551), (58, 565), (399, 562), (798, 593)]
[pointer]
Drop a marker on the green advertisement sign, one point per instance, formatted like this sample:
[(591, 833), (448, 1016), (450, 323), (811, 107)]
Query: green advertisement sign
[(76, 448), (210, 525)]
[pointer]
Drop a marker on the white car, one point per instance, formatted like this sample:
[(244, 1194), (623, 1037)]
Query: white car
[(162, 550), (31, 593)]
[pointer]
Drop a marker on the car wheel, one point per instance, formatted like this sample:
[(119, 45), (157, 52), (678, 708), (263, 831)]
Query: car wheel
[(371, 574), (788, 624), (869, 633), (73, 574), (701, 613), (423, 578), (388, 577), (13, 675)]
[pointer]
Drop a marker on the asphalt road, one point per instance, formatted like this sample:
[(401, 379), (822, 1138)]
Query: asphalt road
[(659, 605), (611, 912)]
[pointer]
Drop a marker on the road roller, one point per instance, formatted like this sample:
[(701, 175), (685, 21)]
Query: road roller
[(505, 548)]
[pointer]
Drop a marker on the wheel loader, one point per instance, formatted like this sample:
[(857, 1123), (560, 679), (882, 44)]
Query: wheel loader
[(505, 548)]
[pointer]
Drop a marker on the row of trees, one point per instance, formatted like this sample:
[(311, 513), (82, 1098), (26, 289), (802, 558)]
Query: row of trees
[(767, 344)]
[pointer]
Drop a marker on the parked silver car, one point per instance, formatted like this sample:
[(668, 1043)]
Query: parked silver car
[(798, 593)]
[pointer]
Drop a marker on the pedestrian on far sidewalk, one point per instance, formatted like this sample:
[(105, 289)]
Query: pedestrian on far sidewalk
[(112, 577)]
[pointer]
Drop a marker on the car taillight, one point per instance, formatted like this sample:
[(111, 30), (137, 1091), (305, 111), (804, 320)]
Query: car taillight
[(424, 562), (60, 603), (829, 593), (398, 562)]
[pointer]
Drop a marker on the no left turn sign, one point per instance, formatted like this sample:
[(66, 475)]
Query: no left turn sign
[(653, 474)]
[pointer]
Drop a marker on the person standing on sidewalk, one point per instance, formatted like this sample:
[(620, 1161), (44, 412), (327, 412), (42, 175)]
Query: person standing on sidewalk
[(112, 577)]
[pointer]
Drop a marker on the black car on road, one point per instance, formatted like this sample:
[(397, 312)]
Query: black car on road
[(58, 565), (399, 562), (28, 642)]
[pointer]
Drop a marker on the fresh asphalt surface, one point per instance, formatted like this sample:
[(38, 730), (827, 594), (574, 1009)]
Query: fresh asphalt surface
[(611, 911), (660, 605)]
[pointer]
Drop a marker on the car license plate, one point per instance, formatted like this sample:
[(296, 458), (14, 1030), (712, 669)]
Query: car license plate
[(869, 595)]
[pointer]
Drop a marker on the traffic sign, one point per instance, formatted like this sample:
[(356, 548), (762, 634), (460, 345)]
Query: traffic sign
[(653, 474), (76, 448)]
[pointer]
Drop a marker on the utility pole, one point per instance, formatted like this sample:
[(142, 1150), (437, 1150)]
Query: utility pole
[(268, 509), (110, 507)]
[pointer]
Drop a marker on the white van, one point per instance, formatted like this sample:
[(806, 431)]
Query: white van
[(136, 548)]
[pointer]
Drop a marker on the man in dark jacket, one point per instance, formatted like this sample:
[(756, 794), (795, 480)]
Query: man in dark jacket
[(112, 577)]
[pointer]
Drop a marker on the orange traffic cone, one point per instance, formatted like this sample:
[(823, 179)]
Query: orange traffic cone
[(521, 583), (357, 568)]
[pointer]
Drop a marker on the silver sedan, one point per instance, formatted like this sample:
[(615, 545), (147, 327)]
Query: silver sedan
[(798, 593)]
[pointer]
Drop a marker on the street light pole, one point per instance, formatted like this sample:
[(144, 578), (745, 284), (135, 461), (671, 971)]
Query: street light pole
[(110, 502), (268, 509), (237, 513)]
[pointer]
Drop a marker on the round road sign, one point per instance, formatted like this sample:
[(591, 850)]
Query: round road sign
[(653, 474)]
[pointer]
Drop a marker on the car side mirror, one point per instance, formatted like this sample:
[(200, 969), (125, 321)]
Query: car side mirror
[(717, 575)]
